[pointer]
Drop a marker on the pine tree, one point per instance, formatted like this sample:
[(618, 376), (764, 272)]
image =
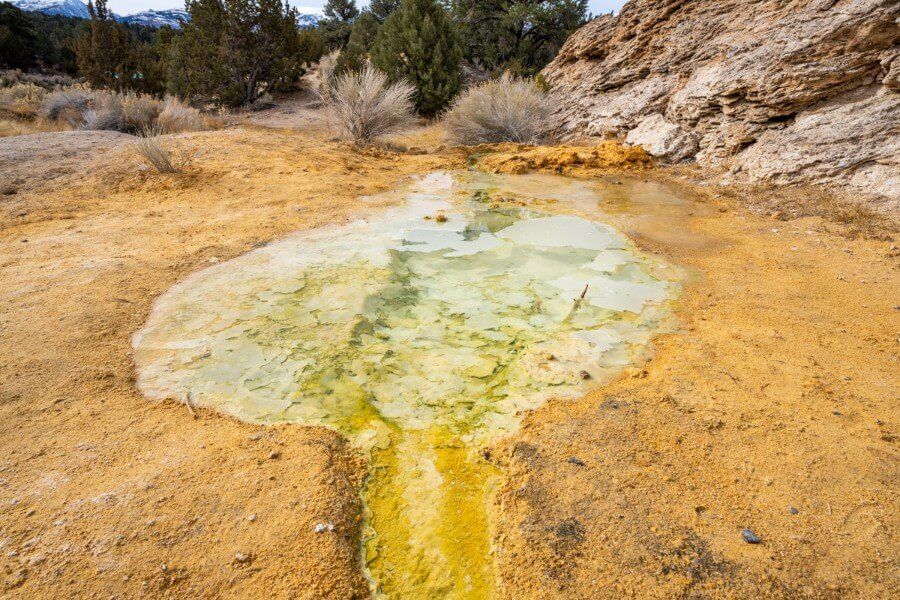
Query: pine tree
[(419, 43), (341, 10), (382, 9), (362, 35), (339, 15)]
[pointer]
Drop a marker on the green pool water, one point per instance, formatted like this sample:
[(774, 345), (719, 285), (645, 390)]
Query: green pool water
[(422, 340)]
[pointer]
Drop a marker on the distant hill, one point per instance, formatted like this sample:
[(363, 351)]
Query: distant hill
[(151, 18)]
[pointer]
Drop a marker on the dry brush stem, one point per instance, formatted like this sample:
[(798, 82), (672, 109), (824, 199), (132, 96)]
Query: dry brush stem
[(327, 65), (508, 109), (365, 106), (162, 155)]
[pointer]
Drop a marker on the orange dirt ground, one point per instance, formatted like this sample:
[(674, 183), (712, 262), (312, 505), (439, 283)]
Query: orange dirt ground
[(780, 391)]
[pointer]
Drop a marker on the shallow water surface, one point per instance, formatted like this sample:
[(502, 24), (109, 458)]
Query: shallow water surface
[(422, 334)]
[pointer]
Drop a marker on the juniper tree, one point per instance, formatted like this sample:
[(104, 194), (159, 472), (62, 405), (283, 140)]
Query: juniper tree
[(102, 50), (232, 51), (362, 35), (419, 43), (18, 38), (382, 9), (520, 36)]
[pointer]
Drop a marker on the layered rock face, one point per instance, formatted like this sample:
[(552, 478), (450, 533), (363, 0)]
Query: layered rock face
[(803, 91)]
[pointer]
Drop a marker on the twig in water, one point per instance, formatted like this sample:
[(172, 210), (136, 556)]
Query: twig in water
[(580, 298), (577, 303)]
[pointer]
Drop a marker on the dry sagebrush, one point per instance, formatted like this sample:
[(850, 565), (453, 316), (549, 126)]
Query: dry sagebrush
[(69, 103), (128, 112), (508, 109), (327, 65), (177, 116), (365, 105)]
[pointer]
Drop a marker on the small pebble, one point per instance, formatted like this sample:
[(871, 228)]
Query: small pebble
[(274, 455), (241, 558), (792, 510), (251, 518), (585, 375), (750, 537), (576, 461), (322, 527)]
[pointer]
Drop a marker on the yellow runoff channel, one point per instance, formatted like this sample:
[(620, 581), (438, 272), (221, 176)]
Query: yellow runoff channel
[(422, 339)]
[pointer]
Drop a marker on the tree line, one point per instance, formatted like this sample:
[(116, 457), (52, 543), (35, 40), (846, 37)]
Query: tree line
[(231, 52)]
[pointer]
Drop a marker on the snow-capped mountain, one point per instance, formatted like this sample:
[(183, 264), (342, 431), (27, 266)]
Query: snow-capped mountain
[(66, 8), (157, 18), (151, 18), (308, 19)]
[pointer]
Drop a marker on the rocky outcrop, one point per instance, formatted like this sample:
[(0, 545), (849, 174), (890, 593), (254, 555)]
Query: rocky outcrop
[(803, 91)]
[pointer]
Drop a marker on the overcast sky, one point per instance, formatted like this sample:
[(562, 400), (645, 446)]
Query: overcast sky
[(127, 7)]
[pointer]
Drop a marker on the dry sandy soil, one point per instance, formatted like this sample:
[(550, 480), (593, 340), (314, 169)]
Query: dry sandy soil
[(775, 408)]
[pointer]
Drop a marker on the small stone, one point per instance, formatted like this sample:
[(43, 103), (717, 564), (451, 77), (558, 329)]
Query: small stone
[(274, 455), (241, 558), (441, 218), (576, 461), (251, 518), (585, 375), (255, 437), (792, 510), (750, 537), (322, 527)]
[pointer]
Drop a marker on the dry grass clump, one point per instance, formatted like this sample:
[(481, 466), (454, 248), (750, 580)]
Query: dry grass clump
[(177, 116), (163, 155), (16, 126), (365, 106), (22, 94), (508, 109)]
